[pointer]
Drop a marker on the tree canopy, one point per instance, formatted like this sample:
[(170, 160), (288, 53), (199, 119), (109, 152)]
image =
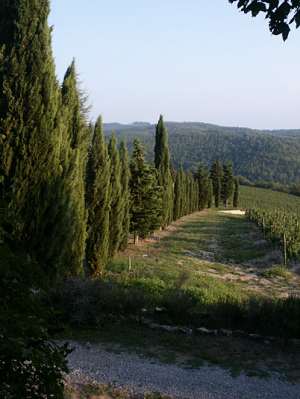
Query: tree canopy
[(280, 14)]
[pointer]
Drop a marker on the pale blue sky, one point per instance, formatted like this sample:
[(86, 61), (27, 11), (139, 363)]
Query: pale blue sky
[(191, 60)]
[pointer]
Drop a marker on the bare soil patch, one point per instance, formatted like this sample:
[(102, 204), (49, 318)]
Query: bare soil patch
[(234, 212)]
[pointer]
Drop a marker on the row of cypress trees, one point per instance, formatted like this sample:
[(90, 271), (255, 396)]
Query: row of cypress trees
[(43, 142), (225, 187), (71, 199)]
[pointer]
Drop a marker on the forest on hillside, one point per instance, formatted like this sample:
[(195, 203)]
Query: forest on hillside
[(259, 156)]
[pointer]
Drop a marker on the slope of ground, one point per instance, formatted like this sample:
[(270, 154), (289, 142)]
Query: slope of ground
[(219, 253), (211, 248)]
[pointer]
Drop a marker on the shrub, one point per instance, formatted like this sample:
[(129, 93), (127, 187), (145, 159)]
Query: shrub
[(31, 367), (87, 303)]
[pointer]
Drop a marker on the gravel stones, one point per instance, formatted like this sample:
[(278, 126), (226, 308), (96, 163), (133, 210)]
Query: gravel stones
[(146, 375)]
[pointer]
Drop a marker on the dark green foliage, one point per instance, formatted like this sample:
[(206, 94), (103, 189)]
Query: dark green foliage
[(98, 203), (227, 183), (192, 193), (178, 194), (186, 194), (181, 193), (146, 195), (203, 179), (236, 193), (125, 176), (31, 366), (210, 194), (73, 160), (216, 175), (162, 164), (32, 133), (116, 216), (280, 14)]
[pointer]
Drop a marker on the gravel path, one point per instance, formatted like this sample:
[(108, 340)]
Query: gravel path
[(144, 375)]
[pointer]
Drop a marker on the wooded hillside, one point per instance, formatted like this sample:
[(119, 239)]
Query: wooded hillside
[(258, 155)]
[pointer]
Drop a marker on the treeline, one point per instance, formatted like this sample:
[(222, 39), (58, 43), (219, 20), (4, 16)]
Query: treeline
[(259, 156), (70, 198)]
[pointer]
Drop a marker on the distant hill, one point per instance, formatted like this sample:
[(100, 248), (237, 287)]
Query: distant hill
[(258, 155)]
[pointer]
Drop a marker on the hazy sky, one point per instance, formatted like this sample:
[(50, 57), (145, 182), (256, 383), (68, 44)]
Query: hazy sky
[(191, 60)]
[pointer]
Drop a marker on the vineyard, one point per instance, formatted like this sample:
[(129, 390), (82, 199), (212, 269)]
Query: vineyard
[(278, 216)]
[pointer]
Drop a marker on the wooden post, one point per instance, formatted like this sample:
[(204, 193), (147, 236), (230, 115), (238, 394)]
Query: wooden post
[(136, 238), (129, 263), (284, 250)]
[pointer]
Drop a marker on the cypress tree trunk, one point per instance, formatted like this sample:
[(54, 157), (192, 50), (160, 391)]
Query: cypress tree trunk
[(98, 203)]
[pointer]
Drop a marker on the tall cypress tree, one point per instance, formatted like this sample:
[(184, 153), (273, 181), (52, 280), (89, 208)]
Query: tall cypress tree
[(190, 192), (73, 159), (177, 196), (227, 183), (202, 177), (236, 193), (216, 177), (184, 188), (210, 194), (117, 201), (30, 131), (146, 195), (98, 203), (125, 175), (162, 164)]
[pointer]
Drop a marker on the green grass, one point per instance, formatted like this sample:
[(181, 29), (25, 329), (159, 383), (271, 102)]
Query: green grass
[(198, 273), (278, 271), (201, 245)]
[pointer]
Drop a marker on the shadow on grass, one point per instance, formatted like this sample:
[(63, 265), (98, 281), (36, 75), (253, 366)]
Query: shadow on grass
[(89, 302)]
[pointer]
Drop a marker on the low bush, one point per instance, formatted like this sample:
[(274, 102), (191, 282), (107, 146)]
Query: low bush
[(87, 303), (31, 366)]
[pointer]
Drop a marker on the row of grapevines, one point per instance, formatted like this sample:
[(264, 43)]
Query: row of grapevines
[(280, 226)]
